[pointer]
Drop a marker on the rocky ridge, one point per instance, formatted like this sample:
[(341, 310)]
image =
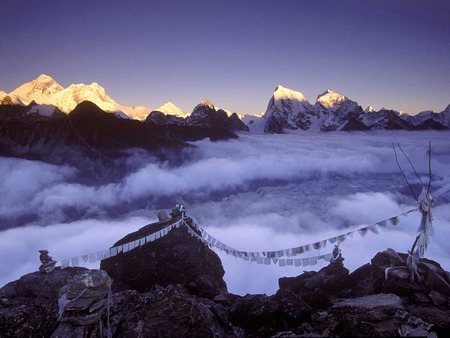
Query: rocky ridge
[(288, 109), (204, 115), (378, 299)]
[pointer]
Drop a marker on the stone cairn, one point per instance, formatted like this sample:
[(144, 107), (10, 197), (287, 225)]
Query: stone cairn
[(48, 263)]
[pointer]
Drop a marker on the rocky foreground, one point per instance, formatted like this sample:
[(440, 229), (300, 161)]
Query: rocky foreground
[(173, 287)]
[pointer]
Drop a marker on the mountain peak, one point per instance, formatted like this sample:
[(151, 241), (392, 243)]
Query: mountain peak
[(369, 109), (329, 98), (44, 78), (283, 93), (169, 108)]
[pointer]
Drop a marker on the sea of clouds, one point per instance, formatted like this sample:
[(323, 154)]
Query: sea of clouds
[(256, 193)]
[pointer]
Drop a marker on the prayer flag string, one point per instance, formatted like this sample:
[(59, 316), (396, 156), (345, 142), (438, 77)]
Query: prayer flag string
[(280, 257)]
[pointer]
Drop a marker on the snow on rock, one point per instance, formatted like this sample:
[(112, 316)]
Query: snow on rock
[(68, 98), (286, 108), (2, 96), (170, 109), (45, 90), (42, 109), (369, 109), (136, 112), (41, 90)]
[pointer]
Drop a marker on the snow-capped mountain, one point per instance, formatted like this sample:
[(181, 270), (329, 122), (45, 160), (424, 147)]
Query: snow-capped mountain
[(425, 117), (290, 109), (45, 90), (170, 109), (369, 109), (2, 96), (41, 90), (287, 108), (334, 110)]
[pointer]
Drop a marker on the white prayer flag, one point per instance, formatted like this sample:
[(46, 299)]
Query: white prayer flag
[(142, 241), (374, 229), (99, 255), (125, 247), (137, 243), (298, 262), (282, 262), (74, 261), (289, 261), (113, 251), (327, 257), (130, 246), (305, 261), (85, 258), (362, 232), (65, 263), (312, 260), (260, 260), (106, 254), (382, 223)]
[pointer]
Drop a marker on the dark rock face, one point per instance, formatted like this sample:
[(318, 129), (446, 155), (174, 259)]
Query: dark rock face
[(328, 279), (29, 306), (83, 302), (273, 126), (177, 258), (204, 116), (88, 134), (330, 302)]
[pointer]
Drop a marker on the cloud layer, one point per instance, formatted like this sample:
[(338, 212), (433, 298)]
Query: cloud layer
[(260, 192)]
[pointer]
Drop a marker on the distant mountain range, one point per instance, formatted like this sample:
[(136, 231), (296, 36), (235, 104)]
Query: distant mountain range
[(287, 109)]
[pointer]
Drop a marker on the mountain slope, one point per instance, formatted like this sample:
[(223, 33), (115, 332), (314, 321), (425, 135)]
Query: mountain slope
[(45, 90)]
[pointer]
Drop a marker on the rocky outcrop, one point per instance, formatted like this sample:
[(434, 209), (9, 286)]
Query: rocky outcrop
[(204, 115), (177, 258), (83, 303), (370, 301)]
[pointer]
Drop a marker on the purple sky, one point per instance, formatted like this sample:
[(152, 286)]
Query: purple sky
[(381, 53)]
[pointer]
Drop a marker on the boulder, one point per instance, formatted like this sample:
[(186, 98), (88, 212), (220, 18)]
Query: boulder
[(328, 279), (177, 258), (169, 312), (29, 306), (368, 316)]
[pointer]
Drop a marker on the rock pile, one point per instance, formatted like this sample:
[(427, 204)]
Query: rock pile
[(83, 301)]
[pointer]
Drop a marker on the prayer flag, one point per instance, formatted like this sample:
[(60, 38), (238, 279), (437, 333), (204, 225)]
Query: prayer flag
[(99, 255), (341, 238), (74, 261), (298, 262), (289, 261), (65, 263), (374, 229), (282, 262), (363, 231), (382, 223), (305, 261), (113, 251)]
